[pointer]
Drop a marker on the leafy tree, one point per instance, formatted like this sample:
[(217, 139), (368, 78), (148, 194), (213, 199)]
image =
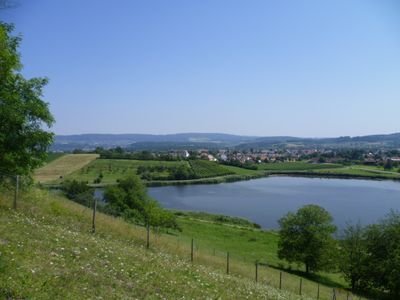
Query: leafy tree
[(353, 254), (306, 237), (129, 199), (78, 191), (182, 172), (382, 266), (23, 141), (129, 194)]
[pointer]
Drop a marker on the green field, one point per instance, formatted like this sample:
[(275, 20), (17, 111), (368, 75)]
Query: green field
[(360, 171), (203, 169), (295, 166), (51, 254)]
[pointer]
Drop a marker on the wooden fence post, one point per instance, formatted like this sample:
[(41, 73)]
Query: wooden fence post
[(147, 235), (318, 291), (227, 263), (301, 283), (16, 191), (191, 251), (280, 280), (94, 215), (256, 271), (334, 294)]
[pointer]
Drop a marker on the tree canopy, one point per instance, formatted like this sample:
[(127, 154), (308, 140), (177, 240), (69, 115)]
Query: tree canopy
[(23, 114), (129, 199), (306, 237)]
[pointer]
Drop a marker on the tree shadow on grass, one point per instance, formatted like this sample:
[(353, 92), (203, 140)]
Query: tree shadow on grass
[(310, 276)]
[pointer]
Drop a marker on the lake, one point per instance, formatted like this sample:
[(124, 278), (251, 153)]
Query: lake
[(266, 200)]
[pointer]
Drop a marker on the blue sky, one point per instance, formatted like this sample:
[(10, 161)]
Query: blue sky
[(301, 68)]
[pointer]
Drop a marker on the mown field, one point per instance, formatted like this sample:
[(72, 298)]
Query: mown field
[(61, 166), (51, 254)]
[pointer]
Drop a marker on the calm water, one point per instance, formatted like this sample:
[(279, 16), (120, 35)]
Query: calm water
[(265, 200)]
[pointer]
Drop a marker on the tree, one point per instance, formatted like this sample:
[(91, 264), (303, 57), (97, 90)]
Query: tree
[(388, 164), (306, 237), (126, 198), (129, 199), (23, 141), (352, 254), (382, 266)]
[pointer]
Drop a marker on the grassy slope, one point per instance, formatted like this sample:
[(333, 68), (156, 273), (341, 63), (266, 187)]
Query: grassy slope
[(63, 166), (50, 254)]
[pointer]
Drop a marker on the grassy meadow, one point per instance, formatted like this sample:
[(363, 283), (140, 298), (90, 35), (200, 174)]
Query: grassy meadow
[(51, 254)]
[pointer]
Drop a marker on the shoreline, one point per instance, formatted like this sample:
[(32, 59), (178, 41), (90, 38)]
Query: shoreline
[(236, 178)]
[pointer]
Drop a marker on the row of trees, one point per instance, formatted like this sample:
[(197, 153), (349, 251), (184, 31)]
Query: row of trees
[(368, 257)]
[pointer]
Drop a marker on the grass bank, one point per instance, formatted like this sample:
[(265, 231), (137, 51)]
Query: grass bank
[(50, 253)]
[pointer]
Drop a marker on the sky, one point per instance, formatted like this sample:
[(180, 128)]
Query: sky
[(260, 67)]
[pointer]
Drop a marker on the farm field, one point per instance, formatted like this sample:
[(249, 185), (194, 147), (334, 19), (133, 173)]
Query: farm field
[(62, 166), (70, 261), (114, 169), (203, 169)]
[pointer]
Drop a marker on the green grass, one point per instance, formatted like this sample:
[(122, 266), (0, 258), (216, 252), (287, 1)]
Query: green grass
[(244, 243), (203, 169), (51, 254), (295, 166), (360, 171), (218, 219)]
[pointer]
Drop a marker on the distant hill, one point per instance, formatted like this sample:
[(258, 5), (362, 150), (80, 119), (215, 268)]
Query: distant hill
[(368, 141), (215, 141), (145, 141)]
